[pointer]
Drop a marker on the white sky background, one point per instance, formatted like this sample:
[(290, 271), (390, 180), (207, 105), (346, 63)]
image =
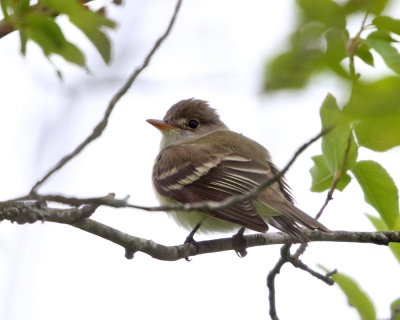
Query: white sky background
[(216, 52)]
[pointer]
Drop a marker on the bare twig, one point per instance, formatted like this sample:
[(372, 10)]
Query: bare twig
[(329, 197), (294, 259), (205, 205), (285, 250), (5, 28), (352, 46), (337, 177), (285, 257), (100, 127), (301, 265)]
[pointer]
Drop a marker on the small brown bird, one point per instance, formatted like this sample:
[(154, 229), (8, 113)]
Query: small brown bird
[(200, 159)]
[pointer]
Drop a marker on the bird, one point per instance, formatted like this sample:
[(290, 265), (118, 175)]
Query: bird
[(201, 159)]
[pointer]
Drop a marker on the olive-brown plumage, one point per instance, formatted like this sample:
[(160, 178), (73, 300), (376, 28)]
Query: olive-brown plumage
[(202, 160)]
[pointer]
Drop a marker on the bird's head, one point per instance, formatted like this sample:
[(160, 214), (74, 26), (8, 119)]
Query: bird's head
[(187, 120)]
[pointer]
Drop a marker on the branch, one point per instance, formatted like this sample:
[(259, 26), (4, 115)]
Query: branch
[(286, 256), (31, 212), (110, 201), (352, 46), (100, 127), (294, 259), (271, 281), (337, 177), (5, 28)]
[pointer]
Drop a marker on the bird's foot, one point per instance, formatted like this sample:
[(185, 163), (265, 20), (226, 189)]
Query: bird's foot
[(240, 243), (190, 240)]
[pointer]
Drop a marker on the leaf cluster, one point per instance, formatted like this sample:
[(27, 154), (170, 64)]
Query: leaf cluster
[(338, 163), (321, 42), (37, 21)]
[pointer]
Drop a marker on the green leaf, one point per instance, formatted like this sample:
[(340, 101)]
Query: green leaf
[(322, 177), (395, 309), (375, 110), (364, 53), (379, 134), (378, 223), (5, 5), (75, 8), (382, 35), (334, 143), (89, 22), (379, 189), (335, 40), (335, 50), (371, 6), (389, 54), (23, 40), (387, 23), (327, 12), (21, 7), (285, 71), (48, 35), (356, 297), (97, 37), (395, 248)]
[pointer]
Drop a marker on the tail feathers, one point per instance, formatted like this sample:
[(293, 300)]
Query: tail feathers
[(295, 215), (287, 226), (290, 220), (305, 220)]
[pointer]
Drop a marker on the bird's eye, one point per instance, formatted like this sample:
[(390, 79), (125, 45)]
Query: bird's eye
[(193, 124)]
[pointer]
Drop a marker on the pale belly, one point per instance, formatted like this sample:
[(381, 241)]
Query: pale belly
[(189, 219)]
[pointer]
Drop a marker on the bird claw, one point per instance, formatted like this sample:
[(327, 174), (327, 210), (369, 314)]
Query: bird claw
[(189, 240), (239, 243)]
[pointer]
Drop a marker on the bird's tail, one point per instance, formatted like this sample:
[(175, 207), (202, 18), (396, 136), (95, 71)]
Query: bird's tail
[(290, 222)]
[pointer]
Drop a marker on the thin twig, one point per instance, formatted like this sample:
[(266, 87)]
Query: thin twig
[(5, 28), (339, 174), (285, 257), (285, 250), (301, 265), (294, 259), (100, 127), (204, 205), (337, 177), (353, 45)]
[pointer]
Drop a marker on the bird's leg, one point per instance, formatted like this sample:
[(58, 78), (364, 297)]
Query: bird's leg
[(189, 239), (240, 243)]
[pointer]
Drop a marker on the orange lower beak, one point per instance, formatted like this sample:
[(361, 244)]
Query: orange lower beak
[(161, 124)]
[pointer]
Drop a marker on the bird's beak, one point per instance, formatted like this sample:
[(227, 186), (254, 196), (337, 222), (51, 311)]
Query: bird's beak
[(161, 125)]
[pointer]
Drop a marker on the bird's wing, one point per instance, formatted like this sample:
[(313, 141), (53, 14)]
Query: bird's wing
[(220, 172), (211, 177), (278, 197)]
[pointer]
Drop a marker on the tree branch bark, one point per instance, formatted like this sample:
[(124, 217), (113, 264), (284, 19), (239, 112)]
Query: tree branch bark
[(30, 212), (5, 28)]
